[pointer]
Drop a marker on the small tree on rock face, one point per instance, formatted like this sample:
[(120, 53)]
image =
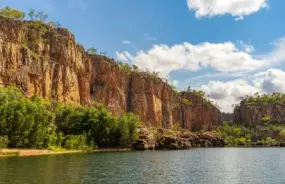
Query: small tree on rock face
[(41, 16), (52, 24), (92, 50), (32, 14), (189, 88)]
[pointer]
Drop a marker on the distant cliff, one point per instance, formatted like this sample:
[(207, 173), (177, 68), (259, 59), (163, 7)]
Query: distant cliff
[(44, 60), (261, 109)]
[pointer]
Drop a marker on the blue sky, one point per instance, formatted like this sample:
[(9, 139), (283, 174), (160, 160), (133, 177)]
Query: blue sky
[(228, 49)]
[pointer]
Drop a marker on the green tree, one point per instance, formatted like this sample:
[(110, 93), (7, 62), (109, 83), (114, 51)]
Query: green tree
[(41, 16), (92, 50), (12, 13), (32, 14), (282, 135)]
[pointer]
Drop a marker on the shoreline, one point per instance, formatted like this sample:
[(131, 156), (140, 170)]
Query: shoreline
[(39, 152)]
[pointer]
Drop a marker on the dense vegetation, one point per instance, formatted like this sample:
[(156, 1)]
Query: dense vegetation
[(35, 123), (265, 98), (227, 116), (267, 134)]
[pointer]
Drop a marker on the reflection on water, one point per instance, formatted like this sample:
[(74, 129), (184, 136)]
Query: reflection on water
[(197, 166)]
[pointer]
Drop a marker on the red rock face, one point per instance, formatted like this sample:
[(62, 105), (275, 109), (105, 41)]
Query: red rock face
[(254, 113), (53, 66), (205, 116)]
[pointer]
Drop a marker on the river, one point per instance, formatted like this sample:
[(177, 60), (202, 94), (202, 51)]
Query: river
[(197, 166)]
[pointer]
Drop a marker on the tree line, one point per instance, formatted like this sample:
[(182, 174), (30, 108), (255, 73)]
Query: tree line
[(36, 123)]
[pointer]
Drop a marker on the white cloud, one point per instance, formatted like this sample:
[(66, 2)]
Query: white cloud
[(236, 8), (270, 81), (233, 62), (124, 56), (223, 57), (277, 54), (231, 92), (175, 83), (228, 93), (246, 47), (126, 42)]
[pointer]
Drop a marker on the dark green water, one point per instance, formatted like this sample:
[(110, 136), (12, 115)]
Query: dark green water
[(197, 166)]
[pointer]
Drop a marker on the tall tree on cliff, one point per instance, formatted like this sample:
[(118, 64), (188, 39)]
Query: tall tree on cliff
[(32, 14), (41, 16), (12, 13)]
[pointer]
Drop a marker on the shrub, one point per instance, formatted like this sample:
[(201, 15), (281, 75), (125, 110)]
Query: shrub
[(76, 142), (35, 123), (4, 141), (187, 102), (12, 13), (265, 119), (92, 50)]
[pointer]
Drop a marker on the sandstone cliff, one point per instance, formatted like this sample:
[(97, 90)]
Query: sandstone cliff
[(261, 109), (47, 61)]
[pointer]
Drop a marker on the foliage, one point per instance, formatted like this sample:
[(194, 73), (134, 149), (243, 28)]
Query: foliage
[(100, 126), (125, 67), (52, 24), (234, 134), (92, 50), (265, 99), (282, 135), (40, 16), (76, 142), (265, 119), (267, 134), (10, 153), (227, 116), (24, 121), (32, 14), (187, 102), (4, 141), (12, 13), (35, 123)]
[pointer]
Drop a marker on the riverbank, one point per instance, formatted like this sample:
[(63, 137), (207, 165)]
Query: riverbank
[(38, 152)]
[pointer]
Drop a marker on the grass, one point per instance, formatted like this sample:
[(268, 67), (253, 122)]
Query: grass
[(56, 149), (14, 153)]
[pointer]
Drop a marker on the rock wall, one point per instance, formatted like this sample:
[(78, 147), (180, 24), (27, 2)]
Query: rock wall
[(258, 113), (47, 61)]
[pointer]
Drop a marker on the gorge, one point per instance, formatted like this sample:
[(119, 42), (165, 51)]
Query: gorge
[(44, 59), (48, 62)]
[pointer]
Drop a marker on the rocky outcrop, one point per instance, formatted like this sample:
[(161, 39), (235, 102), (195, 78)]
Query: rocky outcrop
[(48, 62), (165, 139), (258, 113)]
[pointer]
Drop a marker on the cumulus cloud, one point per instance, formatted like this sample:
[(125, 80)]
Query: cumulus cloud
[(228, 93), (235, 64), (270, 81), (246, 47), (231, 92), (223, 57), (236, 8), (124, 56), (277, 54), (175, 83)]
